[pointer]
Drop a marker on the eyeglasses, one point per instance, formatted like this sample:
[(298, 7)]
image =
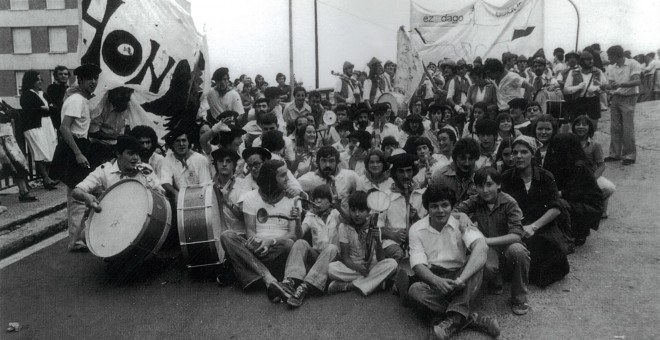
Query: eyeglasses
[(253, 165), (533, 109)]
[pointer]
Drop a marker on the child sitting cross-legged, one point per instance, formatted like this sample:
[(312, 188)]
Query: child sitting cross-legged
[(358, 270)]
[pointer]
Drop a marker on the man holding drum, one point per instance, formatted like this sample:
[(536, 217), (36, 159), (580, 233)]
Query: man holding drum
[(126, 165), (182, 166), (228, 189)]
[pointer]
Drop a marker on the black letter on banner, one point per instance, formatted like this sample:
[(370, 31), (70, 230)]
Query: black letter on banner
[(93, 54), (123, 64), (155, 81)]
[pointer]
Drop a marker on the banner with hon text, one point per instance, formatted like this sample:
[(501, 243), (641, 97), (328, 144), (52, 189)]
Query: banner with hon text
[(479, 29), (151, 46)]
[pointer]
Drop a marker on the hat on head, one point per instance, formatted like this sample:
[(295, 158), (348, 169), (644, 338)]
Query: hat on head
[(220, 154), (265, 154), (519, 103), (477, 60), (219, 73), (389, 62), (373, 62), (228, 114), (447, 62), (522, 58), (272, 92), (531, 142), (401, 159), (127, 143), (539, 60), (360, 135), (347, 64), (574, 55), (235, 131), (461, 62), (87, 71), (389, 141), (583, 55), (558, 49)]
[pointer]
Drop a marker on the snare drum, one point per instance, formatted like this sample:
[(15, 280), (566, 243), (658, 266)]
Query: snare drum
[(552, 102), (131, 226), (396, 101), (199, 225)]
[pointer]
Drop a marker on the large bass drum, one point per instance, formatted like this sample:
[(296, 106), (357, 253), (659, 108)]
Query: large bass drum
[(131, 227), (552, 102), (199, 225), (396, 101)]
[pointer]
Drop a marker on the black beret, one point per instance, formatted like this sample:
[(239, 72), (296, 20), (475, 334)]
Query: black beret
[(87, 71), (220, 154)]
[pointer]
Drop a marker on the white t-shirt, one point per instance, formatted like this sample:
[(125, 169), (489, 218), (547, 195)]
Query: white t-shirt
[(230, 101), (509, 88), (77, 106), (274, 227)]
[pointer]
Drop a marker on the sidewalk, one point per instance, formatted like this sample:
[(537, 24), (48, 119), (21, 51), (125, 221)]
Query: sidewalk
[(24, 224)]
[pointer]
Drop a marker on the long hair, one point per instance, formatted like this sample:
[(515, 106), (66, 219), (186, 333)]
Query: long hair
[(379, 154), (29, 78), (267, 179), (300, 135), (563, 155)]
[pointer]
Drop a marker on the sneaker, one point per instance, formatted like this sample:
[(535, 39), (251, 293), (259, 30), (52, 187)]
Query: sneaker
[(628, 161), (338, 287), (611, 159), (445, 329), (277, 293), (296, 300), (289, 286), (402, 283), (483, 323), (519, 308)]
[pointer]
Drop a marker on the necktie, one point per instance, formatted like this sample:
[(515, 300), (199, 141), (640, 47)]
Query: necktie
[(538, 84)]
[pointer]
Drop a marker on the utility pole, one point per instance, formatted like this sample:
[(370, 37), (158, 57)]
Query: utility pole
[(316, 41)]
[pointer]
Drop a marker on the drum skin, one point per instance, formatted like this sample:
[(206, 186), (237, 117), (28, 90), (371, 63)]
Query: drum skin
[(132, 225), (198, 220), (396, 101), (552, 99)]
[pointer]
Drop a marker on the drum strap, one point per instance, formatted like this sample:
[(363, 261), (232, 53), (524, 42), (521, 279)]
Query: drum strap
[(221, 205)]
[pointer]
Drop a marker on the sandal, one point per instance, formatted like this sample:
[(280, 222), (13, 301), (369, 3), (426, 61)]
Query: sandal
[(27, 197)]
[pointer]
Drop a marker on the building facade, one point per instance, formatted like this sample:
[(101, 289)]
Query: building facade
[(35, 34)]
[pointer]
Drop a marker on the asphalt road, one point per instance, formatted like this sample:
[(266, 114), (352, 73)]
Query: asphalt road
[(610, 293)]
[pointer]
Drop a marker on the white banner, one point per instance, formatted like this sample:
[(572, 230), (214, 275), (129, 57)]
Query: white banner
[(151, 46), (479, 29), (409, 66)]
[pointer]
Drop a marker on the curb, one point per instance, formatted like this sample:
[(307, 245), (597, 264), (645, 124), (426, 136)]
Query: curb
[(32, 232)]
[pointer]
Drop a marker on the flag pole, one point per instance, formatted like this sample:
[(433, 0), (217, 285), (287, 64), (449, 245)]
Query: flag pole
[(291, 77), (577, 35)]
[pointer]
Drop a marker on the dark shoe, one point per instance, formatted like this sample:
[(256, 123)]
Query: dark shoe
[(277, 293), (52, 185), (402, 285), (496, 289), (27, 197), (580, 241), (338, 287), (79, 247), (483, 323), (445, 329), (296, 300), (611, 159), (628, 161)]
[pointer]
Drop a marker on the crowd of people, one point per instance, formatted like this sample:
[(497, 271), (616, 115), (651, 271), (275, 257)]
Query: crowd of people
[(485, 181)]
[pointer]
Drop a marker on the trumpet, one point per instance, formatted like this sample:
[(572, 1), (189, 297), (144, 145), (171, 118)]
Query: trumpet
[(263, 216)]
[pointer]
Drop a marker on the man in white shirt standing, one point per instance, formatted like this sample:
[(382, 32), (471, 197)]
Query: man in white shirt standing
[(346, 89), (623, 75), (222, 98), (508, 83)]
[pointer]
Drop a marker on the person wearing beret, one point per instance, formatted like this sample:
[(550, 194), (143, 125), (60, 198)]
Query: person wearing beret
[(70, 161), (126, 165)]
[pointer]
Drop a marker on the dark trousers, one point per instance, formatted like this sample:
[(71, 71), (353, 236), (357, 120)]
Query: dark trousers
[(249, 268)]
